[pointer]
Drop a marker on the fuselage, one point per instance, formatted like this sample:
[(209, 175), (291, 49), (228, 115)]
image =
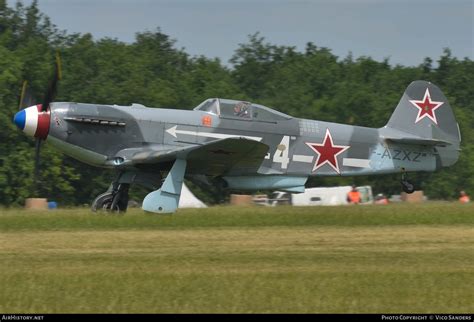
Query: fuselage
[(96, 134)]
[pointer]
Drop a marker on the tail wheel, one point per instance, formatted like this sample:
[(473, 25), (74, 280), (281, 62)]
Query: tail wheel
[(407, 186)]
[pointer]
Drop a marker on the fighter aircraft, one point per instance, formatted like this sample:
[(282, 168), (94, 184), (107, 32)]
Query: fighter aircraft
[(239, 144)]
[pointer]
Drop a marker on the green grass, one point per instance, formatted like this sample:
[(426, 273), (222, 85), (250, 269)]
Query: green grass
[(238, 217), (375, 259)]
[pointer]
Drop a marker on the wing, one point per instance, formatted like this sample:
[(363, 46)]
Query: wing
[(230, 156), (233, 156)]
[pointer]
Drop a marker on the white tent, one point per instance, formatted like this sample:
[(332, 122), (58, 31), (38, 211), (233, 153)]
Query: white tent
[(329, 196), (189, 200)]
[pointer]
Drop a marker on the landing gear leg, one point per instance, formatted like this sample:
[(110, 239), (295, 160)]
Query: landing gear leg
[(407, 186), (115, 199)]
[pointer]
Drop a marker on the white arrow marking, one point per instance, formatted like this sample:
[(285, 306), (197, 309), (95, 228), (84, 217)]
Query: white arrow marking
[(357, 163), (302, 158), (174, 131)]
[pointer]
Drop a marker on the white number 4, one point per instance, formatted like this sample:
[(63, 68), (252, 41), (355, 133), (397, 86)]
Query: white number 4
[(281, 153)]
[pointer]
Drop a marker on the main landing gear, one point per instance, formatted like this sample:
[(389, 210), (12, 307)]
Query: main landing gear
[(115, 199), (407, 186), (164, 198)]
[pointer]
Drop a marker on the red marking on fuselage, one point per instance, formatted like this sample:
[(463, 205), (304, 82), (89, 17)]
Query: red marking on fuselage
[(206, 120), (327, 152)]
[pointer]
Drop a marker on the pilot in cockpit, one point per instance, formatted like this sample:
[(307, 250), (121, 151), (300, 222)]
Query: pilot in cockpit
[(241, 109)]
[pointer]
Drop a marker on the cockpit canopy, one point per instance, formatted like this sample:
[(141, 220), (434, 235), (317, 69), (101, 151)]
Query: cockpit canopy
[(226, 108)]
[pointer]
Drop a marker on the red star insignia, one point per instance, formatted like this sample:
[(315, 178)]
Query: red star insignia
[(327, 152), (426, 107)]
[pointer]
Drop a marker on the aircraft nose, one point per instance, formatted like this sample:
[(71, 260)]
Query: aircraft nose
[(20, 119), (33, 121)]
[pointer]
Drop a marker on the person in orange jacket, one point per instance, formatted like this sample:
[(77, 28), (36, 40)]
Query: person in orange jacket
[(353, 196), (464, 198)]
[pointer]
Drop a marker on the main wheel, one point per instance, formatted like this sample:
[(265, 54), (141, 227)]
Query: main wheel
[(107, 206), (104, 202)]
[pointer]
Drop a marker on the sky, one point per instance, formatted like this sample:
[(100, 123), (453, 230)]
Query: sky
[(405, 31)]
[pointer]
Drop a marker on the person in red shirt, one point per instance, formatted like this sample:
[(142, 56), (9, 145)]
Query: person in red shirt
[(464, 198), (381, 199)]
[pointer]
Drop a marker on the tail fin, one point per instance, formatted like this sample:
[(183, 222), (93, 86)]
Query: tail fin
[(423, 116)]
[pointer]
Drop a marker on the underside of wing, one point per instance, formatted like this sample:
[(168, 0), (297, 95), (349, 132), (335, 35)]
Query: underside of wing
[(232, 156)]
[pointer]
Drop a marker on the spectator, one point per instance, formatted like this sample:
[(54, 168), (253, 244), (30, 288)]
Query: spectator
[(381, 199), (464, 198), (353, 197)]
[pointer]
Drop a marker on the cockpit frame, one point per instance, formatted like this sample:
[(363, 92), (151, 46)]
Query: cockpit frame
[(241, 110)]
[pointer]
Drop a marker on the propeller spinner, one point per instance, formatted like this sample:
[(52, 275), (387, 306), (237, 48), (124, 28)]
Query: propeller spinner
[(33, 121)]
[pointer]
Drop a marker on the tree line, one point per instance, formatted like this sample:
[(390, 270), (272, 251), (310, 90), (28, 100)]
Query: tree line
[(313, 83)]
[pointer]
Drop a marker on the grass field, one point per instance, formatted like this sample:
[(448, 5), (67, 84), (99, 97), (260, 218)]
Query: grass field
[(376, 259)]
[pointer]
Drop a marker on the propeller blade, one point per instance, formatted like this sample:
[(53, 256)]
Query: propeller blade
[(37, 165), (53, 85), (58, 66), (26, 98), (22, 96)]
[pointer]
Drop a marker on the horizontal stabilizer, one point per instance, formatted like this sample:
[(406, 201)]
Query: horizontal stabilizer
[(419, 141)]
